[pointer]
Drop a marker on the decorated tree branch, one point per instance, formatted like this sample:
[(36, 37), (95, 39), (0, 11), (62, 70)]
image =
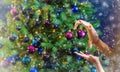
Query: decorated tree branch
[(41, 36)]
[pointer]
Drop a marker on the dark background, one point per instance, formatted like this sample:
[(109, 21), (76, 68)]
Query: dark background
[(107, 11)]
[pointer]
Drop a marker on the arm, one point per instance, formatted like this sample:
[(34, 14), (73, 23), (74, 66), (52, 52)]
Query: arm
[(94, 38), (92, 59)]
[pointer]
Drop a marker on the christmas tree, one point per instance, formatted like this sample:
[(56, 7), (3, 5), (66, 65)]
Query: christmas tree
[(40, 36)]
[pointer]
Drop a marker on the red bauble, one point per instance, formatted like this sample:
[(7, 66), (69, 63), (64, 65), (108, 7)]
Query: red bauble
[(14, 12), (31, 48), (69, 35), (80, 34)]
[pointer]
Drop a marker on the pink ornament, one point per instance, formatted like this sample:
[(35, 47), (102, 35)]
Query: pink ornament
[(87, 53), (31, 48), (4, 63), (69, 35), (14, 12)]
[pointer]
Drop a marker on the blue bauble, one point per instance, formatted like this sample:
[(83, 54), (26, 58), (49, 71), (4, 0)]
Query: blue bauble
[(33, 69), (26, 39), (75, 9), (93, 69), (36, 37), (16, 57), (57, 14), (48, 65), (40, 50), (37, 22), (26, 60), (35, 43), (79, 58), (76, 50), (10, 58), (55, 26)]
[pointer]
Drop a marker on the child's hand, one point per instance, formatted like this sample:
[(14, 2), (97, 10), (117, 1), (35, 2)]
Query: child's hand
[(90, 58), (92, 34)]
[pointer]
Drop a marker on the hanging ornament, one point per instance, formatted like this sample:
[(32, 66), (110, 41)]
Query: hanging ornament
[(58, 14), (87, 53), (24, 12), (18, 27), (12, 37), (103, 57), (93, 69), (48, 65), (33, 69), (14, 12), (69, 35), (76, 50), (26, 39), (46, 57), (78, 58), (16, 57), (47, 23), (4, 63), (36, 37), (35, 43), (55, 26), (21, 36), (26, 60), (31, 48), (48, 1), (97, 53), (80, 34), (37, 23), (39, 12), (11, 59), (54, 60), (75, 9), (16, 18), (69, 52), (40, 50)]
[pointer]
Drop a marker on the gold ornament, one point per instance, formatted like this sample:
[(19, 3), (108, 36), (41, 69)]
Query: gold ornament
[(65, 63), (59, 36), (53, 30), (39, 11), (36, 32), (21, 36), (42, 27)]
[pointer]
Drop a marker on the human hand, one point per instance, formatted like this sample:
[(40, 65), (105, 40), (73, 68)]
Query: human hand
[(90, 58), (92, 34)]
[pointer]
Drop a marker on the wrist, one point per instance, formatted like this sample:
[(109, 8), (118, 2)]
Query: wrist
[(99, 66)]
